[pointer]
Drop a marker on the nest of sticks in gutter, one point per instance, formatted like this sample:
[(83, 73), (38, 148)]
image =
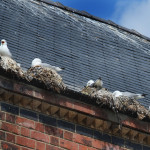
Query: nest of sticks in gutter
[(10, 67), (46, 76), (103, 97), (123, 104), (131, 106)]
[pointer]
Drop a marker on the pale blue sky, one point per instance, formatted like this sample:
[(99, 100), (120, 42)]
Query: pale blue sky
[(133, 14)]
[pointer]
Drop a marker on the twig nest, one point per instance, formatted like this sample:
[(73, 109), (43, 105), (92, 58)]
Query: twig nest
[(104, 97), (125, 104), (49, 77), (102, 93), (88, 90), (119, 104), (11, 66)]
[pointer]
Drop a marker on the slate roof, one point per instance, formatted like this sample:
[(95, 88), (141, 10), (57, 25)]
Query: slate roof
[(85, 45)]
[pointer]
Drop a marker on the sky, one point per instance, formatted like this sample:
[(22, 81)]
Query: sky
[(133, 14)]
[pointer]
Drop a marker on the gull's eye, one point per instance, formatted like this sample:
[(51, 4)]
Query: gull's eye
[(3, 42)]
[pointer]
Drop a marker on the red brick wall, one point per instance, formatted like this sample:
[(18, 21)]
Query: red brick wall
[(22, 129)]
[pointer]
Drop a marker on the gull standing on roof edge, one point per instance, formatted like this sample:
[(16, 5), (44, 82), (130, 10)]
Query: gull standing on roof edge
[(4, 51), (38, 62), (98, 83), (128, 94)]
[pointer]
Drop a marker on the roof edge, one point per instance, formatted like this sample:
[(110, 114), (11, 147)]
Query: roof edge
[(86, 14)]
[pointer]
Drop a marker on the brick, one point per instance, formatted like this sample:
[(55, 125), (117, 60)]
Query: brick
[(102, 136), (100, 113), (136, 124), (54, 140), (130, 145), (108, 146), (39, 127), (91, 148), (10, 118), (84, 108), (24, 89), (10, 108), (25, 142), (25, 131), (53, 131), (68, 144), (10, 127), (118, 141), (47, 120), (98, 144), (66, 125), (68, 135), (84, 131), (48, 96), (104, 145), (2, 116), (8, 146), (40, 146), (28, 114), (25, 122), (111, 146), (51, 147), (39, 94), (40, 136), (64, 101), (126, 122), (82, 147), (2, 135), (10, 137), (6, 84), (23, 148), (83, 139)]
